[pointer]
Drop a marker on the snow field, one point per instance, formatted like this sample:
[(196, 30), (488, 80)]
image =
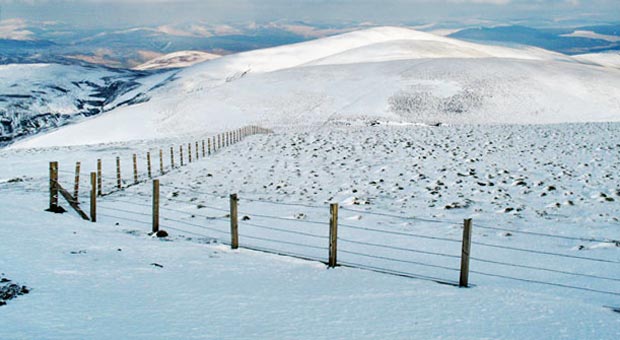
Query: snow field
[(439, 175)]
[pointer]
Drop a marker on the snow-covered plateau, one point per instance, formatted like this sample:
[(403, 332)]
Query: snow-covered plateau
[(410, 133)]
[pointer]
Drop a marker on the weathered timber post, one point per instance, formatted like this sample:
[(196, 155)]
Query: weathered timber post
[(209, 146), (161, 161), (333, 234), (465, 249), (119, 183), (171, 157), (135, 169), (181, 154), (99, 179), (148, 164), (76, 186), (93, 197), (155, 206), (234, 223), (204, 152), (53, 186), (197, 157), (189, 152)]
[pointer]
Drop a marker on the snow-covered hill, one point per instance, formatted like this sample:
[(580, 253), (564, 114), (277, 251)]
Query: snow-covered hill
[(387, 73), (177, 60), (38, 97)]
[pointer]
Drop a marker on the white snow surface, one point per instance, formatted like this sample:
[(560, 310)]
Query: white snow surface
[(606, 59), (388, 73), (97, 281)]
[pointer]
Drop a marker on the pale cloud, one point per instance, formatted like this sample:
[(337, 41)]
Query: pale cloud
[(15, 29), (156, 13)]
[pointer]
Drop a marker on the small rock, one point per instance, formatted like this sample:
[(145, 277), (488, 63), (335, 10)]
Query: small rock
[(161, 233)]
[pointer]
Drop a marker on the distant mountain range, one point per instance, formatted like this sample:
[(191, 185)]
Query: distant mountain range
[(595, 39), (130, 47)]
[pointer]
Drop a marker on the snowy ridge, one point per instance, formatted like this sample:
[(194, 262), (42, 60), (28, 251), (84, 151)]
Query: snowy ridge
[(385, 73)]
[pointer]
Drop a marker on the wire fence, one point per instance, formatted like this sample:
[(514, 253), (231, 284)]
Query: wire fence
[(416, 254), (306, 231)]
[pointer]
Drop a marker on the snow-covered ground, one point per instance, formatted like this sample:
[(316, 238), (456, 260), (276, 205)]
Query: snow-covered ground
[(99, 280)]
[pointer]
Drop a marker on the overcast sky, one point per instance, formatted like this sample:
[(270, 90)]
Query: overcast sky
[(123, 13)]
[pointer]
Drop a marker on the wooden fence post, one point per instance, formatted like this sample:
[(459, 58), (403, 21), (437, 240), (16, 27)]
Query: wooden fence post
[(219, 146), (135, 169), (161, 161), (76, 186), (204, 153), (189, 152), (234, 224), (148, 163), (333, 234), (119, 183), (171, 157), (197, 157), (209, 146), (155, 206), (181, 154), (93, 197), (465, 249), (99, 179), (53, 186)]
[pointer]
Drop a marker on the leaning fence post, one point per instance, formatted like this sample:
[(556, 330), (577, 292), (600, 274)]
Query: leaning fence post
[(155, 206), (99, 179), (234, 224), (333, 234), (466, 247), (93, 197), (148, 163), (119, 184), (135, 169), (76, 186), (53, 186)]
